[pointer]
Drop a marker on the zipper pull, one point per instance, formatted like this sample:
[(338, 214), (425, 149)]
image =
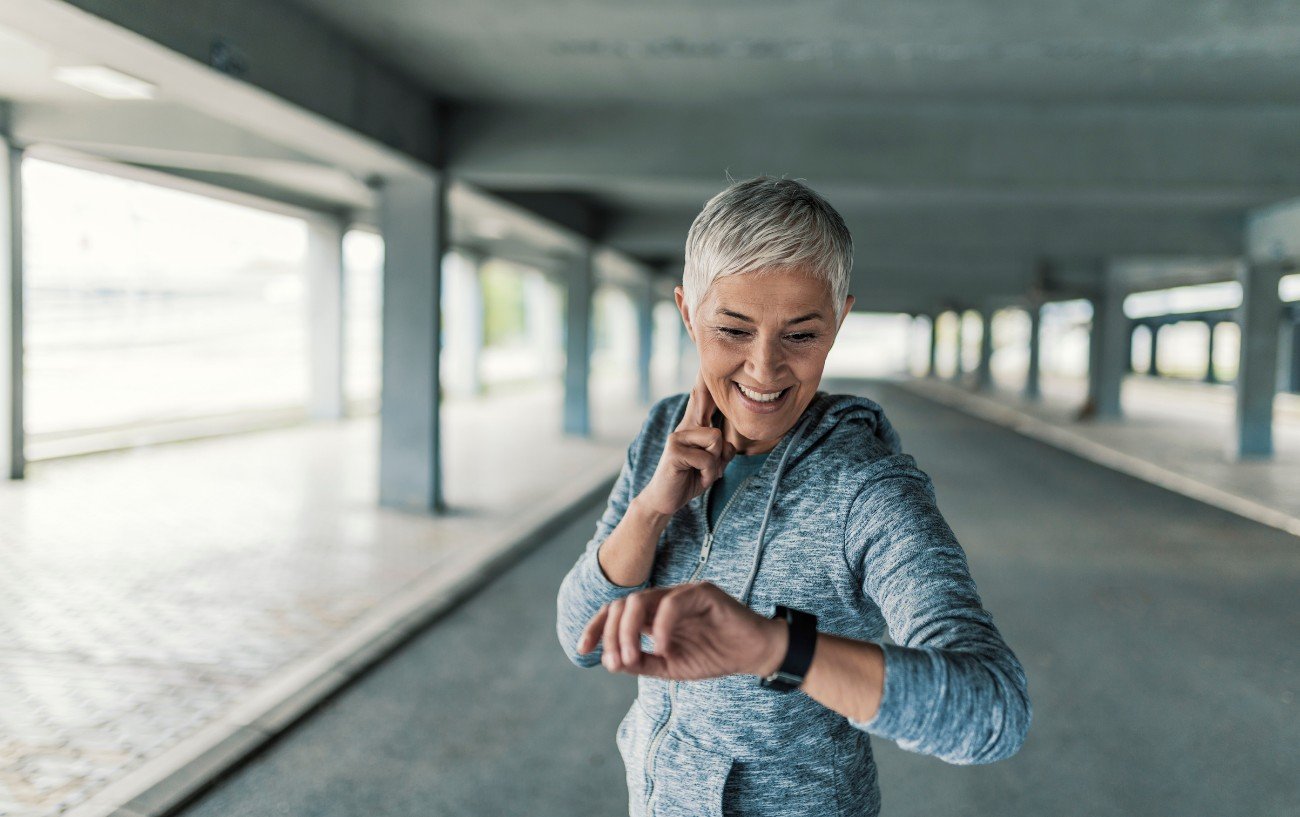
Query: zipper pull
[(708, 545)]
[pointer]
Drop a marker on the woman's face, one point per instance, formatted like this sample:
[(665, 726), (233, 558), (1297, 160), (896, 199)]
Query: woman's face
[(770, 333)]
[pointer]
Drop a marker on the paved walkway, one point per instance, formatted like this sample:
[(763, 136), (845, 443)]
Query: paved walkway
[(146, 594), (1157, 634), (1176, 434)]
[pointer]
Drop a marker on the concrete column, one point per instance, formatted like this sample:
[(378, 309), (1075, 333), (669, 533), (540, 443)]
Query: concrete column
[(577, 343), (1153, 362), (12, 460), (984, 374), (645, 324), (1033, 386), (1285, 339), (1106, 352), (325, 398), (932, 369), (413, 219), (1294, 367), (1259, 317), (958, 366), (1210, 376)]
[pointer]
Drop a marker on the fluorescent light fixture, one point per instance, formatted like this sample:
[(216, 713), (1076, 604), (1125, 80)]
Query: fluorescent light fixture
[(1289, 287), (105, 82), (1196, 298)]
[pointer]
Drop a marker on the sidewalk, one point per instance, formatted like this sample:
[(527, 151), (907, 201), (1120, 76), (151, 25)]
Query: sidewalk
[(171, 606), (1174, 434)]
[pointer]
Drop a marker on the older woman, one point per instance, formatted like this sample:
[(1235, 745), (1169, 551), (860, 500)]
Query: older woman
[(761, 537)]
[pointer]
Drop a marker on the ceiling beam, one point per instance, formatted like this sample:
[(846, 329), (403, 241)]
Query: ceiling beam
[(1171, 155)]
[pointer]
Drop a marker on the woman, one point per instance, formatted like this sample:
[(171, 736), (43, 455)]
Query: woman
[(761, 537)]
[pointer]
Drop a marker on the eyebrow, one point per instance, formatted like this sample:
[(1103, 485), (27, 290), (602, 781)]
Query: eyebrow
[(791, 322)]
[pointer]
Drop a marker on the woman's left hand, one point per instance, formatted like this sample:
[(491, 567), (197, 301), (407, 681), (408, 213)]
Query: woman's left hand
[(698, 630)]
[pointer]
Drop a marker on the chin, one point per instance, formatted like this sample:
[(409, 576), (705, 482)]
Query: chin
[(758, 432)]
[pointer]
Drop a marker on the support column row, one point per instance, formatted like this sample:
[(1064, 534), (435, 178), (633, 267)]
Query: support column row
[(1108, 349), (577, 343), (1260, 318), (413, 216), (12, 460)]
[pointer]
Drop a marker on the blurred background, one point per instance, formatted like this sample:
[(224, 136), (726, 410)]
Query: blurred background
[(320, 315)]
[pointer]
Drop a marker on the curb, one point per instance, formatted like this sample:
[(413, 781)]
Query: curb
[(1027, 425), (171, 781)]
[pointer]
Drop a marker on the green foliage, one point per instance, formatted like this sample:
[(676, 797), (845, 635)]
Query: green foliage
[(503, 304)]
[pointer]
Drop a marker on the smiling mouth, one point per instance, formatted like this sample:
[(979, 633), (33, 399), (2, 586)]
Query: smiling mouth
[(760, 397)]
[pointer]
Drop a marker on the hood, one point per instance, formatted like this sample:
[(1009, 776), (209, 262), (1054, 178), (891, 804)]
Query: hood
[(833, 415)]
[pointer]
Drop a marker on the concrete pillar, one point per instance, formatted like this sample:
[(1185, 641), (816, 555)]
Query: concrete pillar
[(413, 220), (1285, 340), (1153, 364), (1106, 351), (1294, 362), (932, 369), (645, 324), (1033, 387), (984, 374), (12, 460), (1259, 317), (577, 343), (325, 399), (1210, 376), (1132, 331)]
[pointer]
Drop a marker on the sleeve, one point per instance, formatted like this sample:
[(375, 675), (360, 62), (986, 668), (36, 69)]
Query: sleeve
[(953, 689), (586, 587)]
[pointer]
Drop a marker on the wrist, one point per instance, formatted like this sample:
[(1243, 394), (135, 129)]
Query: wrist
[(776, 638), (647, 516)]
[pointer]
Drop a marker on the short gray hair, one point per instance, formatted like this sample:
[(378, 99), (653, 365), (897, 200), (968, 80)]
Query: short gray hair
[(765, 223)]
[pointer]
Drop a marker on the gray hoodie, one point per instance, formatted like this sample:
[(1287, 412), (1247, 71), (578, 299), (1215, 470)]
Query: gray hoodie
[(841, 523)]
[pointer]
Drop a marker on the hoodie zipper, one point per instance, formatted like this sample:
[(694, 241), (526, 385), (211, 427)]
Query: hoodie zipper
[(705, 549)]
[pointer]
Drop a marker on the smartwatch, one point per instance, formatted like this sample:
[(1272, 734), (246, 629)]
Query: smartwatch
[(799, 651)]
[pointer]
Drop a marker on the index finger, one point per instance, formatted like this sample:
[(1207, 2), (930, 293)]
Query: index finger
[(589, 639), (699, 406)]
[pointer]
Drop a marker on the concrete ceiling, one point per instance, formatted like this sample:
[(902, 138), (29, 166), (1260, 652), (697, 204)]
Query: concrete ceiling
[(209, 134), (721, 54), (966, 144), (977, 149)]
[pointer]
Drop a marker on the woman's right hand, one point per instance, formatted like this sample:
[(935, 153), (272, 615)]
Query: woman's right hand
[(693, 459)]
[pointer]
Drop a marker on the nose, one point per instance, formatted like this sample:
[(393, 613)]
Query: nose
[(766, 362)]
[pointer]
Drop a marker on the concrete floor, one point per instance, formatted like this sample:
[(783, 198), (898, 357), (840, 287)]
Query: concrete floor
[(1158, 635), (146, 594), (1181, 427)]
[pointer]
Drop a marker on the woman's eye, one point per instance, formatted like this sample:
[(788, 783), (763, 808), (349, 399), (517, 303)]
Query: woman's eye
[(735, 333), (802, 337)]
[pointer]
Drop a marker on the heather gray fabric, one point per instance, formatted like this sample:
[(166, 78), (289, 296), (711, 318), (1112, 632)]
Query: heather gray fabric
[(840, 523)]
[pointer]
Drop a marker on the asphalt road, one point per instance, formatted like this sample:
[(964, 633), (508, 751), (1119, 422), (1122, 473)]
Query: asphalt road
[(1159, 636)]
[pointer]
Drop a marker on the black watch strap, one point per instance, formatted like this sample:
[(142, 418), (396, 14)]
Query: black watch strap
[(799, 653)]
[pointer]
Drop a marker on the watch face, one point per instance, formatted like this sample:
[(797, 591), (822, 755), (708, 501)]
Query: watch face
[(782, 682)]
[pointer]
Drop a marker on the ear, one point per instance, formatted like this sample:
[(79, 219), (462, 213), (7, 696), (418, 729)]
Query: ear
[(848, 305), (679, 295)]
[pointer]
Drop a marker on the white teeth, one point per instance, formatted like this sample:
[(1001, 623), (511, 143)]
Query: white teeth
[(760, 398)]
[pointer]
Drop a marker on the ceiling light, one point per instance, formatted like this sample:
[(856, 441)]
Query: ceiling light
[(105, 82)]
